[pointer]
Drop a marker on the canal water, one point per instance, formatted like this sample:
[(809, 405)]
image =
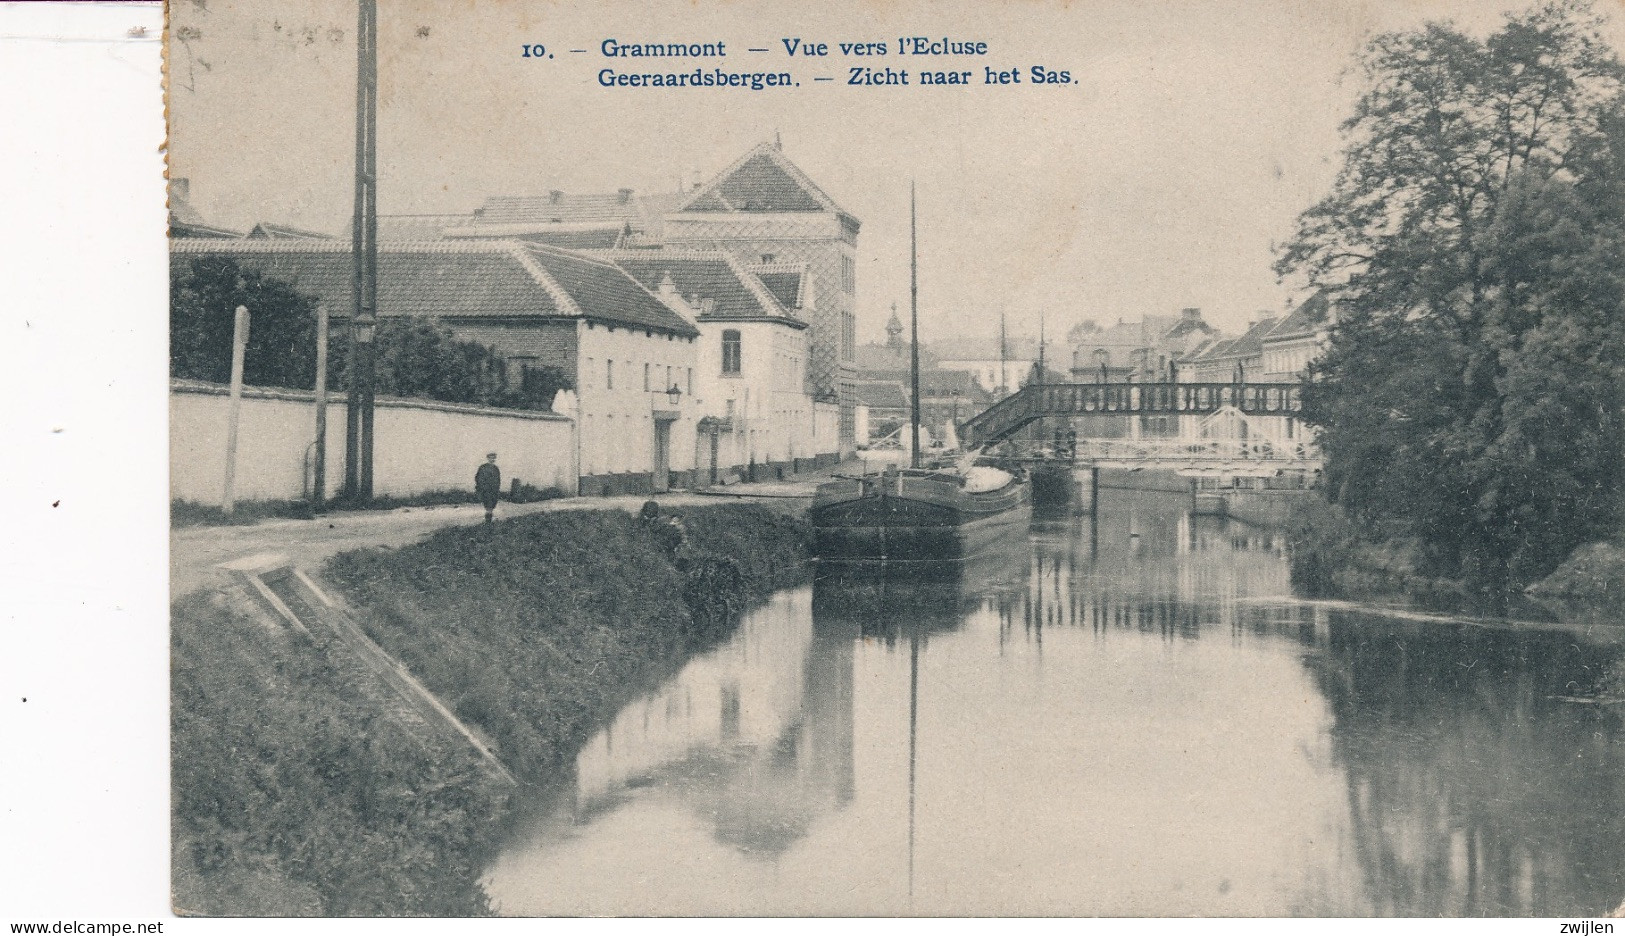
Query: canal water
[(1130, 715)]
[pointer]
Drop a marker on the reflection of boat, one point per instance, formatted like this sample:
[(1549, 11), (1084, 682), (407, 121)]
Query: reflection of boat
[(917, 514)]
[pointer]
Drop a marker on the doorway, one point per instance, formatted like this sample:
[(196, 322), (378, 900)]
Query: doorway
[(662, 467)]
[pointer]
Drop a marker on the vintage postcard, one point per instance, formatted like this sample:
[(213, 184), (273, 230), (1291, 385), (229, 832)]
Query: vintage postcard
[(903, 459)]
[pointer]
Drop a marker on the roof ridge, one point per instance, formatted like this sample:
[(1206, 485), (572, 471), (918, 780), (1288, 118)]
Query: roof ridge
[(764, 296), (569, 254), (544, 279), (773, 152)]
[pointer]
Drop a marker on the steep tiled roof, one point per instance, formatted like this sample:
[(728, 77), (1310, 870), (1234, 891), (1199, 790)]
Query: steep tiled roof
[(597, 284), (784, 280), (454, 279), (1303, 320), (1249, 344), (713, 282), (763, 180)]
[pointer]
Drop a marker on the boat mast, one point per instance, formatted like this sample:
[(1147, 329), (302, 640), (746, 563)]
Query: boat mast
[(914, 329), (1004, 380)]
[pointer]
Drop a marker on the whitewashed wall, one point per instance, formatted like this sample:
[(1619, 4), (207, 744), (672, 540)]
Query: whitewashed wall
[(418, 445), (826, 425)]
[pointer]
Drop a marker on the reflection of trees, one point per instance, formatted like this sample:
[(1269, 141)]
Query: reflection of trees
[(1471, 789), (755, 737)]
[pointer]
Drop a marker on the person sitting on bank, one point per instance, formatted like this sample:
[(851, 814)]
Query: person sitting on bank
[(488, 485)]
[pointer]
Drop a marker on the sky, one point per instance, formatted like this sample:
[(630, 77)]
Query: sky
[(1162, 177)]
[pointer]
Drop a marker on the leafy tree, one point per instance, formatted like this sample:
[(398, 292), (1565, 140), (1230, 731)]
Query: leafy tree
[(204, 295), (1471, 396)]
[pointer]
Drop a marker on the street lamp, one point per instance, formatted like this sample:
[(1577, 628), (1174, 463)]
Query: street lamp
[(674, 394)]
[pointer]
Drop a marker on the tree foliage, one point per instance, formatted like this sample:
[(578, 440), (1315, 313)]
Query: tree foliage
[(203, 297), (1471, 396), (416, 357)]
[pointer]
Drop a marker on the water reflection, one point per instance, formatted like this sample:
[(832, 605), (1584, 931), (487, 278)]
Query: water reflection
[(1126, 714)]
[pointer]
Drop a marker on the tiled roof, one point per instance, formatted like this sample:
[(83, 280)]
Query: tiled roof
[(1303, 320), (597, 284), (784, 280), (879, 394), (268, 231), (454, 279), (191, 229), (701, 275), (763, 180), (1249, 344), (575, 240), (935, 382), (612, 209), (421, 227)]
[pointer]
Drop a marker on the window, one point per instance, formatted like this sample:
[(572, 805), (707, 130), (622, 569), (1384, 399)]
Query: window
[(669, 383), (691, 381), (849, 275), (768, 258), (730, 351), (645, 375), (609, 374)]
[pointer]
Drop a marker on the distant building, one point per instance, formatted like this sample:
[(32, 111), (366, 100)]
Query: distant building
[(1229, 360), (1297, 340), (763, 210), (1145, 351)]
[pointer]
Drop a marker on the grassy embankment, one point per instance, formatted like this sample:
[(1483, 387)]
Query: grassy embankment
[(185, 513), (1593, 573), (1331, 560), (295, 792)]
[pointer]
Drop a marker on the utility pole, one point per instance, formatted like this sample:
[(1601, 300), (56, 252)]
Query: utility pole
[(914, 325), (364, 280)]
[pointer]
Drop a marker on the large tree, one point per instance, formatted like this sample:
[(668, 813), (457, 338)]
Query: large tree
[(1471, 397)]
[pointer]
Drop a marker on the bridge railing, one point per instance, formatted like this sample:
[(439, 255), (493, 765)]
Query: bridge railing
[(1036, 401)]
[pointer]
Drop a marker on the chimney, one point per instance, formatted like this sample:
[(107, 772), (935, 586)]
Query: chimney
[(180, 189), (555, 197), (1190, 315), (623, 196), (668, 289)]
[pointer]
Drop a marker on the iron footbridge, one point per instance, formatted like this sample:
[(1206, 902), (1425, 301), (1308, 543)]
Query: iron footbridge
[(1007, 417)]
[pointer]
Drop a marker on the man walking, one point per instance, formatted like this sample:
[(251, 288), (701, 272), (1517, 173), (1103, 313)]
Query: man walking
[(488, 484)]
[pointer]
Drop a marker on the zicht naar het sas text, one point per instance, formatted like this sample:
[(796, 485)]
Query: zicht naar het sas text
[(909, 61)]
